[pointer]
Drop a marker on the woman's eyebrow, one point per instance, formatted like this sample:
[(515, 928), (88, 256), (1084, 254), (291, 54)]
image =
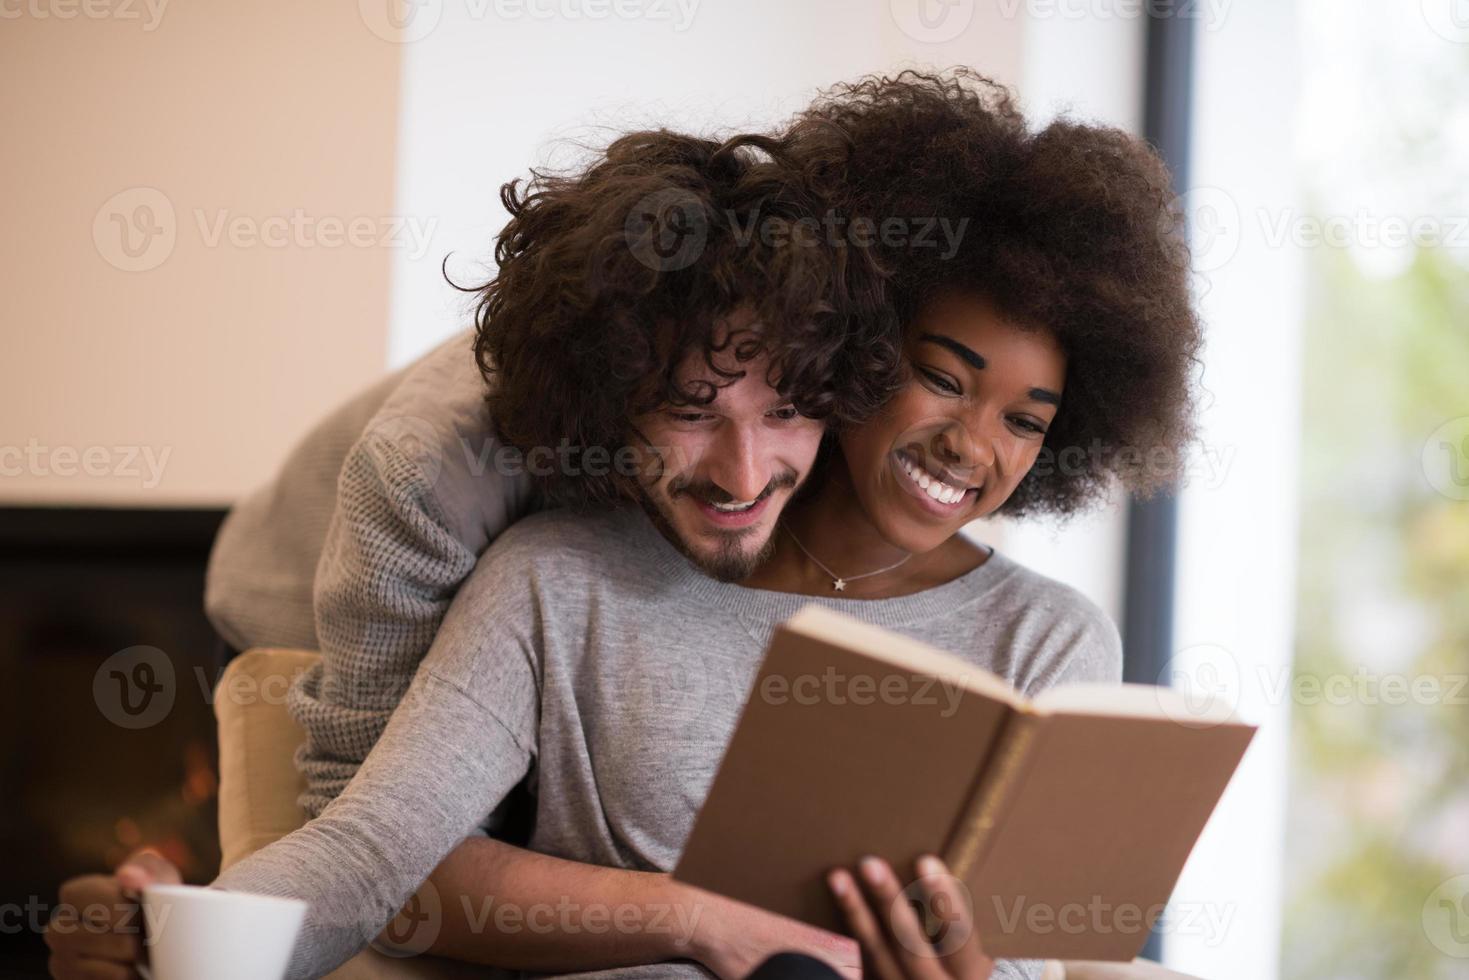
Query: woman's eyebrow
[(972, 357), (976, 360)]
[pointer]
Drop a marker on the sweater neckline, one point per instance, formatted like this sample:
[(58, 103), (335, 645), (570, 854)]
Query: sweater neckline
[(938, 602)]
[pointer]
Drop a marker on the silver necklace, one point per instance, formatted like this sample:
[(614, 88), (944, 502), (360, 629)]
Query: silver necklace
[(838, 583)]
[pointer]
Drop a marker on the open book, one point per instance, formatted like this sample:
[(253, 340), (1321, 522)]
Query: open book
[(1068, 817)]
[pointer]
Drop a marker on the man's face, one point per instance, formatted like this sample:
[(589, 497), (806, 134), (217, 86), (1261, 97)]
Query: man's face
[(720, 474)]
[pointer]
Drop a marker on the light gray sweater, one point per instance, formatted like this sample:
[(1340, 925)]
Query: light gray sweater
[(587, 654), (358, 546)]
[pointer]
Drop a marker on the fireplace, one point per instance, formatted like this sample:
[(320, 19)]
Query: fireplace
[(106, 714)]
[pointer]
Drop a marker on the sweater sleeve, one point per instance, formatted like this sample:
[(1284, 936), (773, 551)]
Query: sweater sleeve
[(463, 736), (393, 559)]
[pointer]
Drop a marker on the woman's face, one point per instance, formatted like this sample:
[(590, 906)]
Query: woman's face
[(953, 444)]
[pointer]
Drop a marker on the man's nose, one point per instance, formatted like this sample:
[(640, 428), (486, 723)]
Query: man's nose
[(740, 463)]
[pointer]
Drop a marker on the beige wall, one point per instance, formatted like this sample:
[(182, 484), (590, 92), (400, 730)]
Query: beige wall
[(214, 353)]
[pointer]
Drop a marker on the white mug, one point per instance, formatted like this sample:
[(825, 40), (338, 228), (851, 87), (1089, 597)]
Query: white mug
[(206, 934)]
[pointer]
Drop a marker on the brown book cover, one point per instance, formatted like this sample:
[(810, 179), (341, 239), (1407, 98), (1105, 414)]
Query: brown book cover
[(1068, 817)]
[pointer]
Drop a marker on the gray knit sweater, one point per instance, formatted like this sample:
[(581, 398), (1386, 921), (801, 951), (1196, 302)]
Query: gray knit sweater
[(358, 546), (587, 653)]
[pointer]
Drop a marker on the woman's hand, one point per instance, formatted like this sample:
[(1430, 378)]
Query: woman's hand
[(895, 944)]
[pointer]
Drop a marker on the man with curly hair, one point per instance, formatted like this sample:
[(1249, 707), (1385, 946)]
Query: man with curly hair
[(654, 331), (1062, 320)]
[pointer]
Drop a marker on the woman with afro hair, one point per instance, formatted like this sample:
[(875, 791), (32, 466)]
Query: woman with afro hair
[(1046, 359)]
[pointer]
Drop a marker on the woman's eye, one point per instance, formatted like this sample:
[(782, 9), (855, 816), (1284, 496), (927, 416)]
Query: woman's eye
[(939, 381), (1030, 426)]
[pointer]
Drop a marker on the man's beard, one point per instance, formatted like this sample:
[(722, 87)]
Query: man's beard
[(730, 561)]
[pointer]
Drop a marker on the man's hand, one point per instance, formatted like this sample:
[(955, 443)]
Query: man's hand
[(733, 938), (895, 945), (96, 931)]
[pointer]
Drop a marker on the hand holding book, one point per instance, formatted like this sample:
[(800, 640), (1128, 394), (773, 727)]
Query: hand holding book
[(896, 944), (1068, 818)]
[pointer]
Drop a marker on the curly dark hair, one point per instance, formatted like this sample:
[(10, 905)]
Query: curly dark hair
[(610, 277), (1071, 229)]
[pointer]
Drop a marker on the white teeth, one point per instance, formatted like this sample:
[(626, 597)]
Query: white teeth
[(734, 507), (931, 485)]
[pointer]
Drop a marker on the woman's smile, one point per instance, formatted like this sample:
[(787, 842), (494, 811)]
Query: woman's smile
[(934, 492)]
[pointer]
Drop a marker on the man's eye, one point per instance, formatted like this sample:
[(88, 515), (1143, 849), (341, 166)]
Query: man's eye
[(787, 414), (939, 381), (689, 416)]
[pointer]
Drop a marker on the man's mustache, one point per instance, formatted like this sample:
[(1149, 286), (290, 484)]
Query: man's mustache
[(715, 494)]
